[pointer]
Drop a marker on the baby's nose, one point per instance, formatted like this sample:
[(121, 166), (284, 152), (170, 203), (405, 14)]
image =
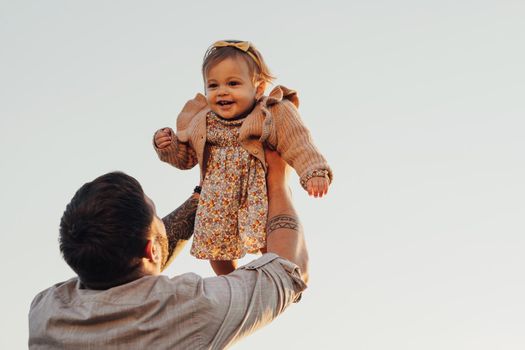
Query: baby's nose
[(223, 90)]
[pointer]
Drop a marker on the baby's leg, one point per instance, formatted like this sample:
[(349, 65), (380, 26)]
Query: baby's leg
[(223, 267)]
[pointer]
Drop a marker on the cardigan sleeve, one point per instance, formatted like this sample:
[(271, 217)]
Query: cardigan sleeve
[(293, 140), (180, 153)]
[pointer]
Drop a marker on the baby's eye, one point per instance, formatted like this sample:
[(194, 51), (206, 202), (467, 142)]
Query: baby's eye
[(212, 86), (234, 83)]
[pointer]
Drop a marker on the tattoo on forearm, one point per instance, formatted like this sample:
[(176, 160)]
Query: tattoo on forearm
[(282, 221), (179, 223)]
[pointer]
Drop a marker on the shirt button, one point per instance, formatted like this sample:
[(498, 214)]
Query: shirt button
[(255, 151)]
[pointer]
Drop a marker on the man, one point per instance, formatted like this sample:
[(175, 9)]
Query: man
[(111, 237)]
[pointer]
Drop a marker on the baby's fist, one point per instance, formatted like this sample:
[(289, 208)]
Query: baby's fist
[(163, 138), (317, 186)]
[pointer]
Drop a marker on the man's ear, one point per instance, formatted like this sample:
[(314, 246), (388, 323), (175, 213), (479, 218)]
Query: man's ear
[(152, 252), (260, 87)]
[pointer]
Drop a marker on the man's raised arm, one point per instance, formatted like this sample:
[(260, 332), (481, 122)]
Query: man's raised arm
[(285, 236), (179, 226)]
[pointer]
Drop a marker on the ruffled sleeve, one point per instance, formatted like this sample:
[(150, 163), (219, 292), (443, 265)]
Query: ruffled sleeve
[(280, 93), (189, 111), (179, 153)]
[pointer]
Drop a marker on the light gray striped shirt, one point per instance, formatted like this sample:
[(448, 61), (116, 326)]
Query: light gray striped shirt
[(157, 312)]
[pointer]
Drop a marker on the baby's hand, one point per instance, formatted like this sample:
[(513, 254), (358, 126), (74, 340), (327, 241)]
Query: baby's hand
[(317, 186), (162, 138)]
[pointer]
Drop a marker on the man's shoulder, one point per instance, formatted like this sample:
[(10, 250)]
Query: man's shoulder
[(71, 291), (52, 291), (158, 303)]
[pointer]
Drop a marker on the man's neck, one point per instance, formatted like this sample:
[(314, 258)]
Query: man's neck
[(114, 283)]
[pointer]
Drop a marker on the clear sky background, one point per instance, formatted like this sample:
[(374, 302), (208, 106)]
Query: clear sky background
[(417, 105)]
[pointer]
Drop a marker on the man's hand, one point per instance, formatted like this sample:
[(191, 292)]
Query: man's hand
[(278, 170), (163, 138), (285, 235)]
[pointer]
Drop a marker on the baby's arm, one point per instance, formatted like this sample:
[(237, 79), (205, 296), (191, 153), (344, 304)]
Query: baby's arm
[(172, 151), (176, 150), (294, 142)]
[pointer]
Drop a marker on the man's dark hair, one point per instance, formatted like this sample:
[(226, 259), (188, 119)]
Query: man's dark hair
[(103, 232)]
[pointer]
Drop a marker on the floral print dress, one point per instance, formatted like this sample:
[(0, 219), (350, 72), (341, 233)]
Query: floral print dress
[(233, 205)]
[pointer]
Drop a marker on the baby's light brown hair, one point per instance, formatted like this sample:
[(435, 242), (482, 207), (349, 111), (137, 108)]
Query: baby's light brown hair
[(253, 58)]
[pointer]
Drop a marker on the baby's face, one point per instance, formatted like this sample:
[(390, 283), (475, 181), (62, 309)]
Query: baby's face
[(230, 90)]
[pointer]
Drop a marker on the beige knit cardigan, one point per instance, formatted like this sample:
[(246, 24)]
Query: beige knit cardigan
[(274, 122)]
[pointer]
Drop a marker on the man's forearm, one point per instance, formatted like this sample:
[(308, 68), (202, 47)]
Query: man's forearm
[(179, 226), (285, 235)]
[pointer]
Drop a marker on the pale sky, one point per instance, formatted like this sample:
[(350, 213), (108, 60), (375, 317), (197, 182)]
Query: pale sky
[(417, 105)]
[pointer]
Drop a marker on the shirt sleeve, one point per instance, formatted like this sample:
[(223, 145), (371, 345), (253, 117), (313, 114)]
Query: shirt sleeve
[(251, 297)]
